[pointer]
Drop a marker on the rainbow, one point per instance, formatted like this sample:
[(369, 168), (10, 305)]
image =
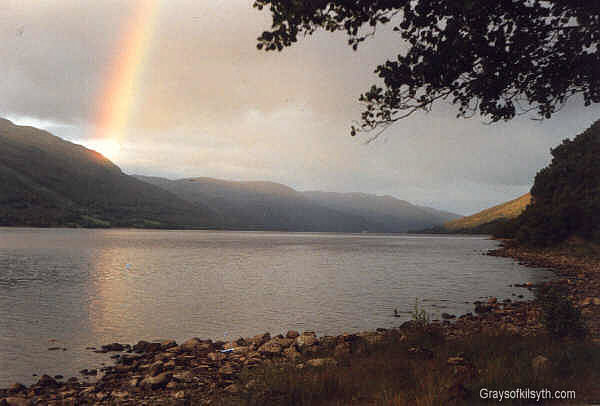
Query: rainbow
[(117, 97)]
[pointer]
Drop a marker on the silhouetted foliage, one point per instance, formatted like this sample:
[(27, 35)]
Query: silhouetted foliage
[(498, 58), (566, 194)]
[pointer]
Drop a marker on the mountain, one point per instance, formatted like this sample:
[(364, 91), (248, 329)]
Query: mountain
[(268, 205), (261, 205), (384, 213), (47, 181), (506, 211)]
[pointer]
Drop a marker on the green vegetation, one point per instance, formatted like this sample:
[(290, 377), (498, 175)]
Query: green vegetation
[(566, 194), (420, 315), (390, 373)]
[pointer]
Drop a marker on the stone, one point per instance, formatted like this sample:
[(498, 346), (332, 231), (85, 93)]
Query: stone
[(456, 361), (447, 316), (14, 401), (156, 382), (47, 381), (305, 340), (291, 353), (596, 301), (17, 388), (141, 346), (119, 394), (260, 339), (89, 372), (321, 362), (226, 370), (233, 388), (270, 348), (195, 344), (166, 344), (492, 300), (179, 395), (341, 350), (292, 334), (113, 347)]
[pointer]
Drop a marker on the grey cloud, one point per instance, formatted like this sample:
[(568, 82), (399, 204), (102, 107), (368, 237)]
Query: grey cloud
[(209, 104)]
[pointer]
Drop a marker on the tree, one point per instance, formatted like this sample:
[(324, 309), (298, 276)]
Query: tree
[(566, 194), (498, 58)]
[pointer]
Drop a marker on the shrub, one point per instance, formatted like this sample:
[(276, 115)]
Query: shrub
[(559, 316)]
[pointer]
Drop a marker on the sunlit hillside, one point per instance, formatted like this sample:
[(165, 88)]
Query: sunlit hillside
[(506, 210)]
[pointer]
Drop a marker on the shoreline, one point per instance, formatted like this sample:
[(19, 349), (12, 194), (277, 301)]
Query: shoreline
[(199, 369)]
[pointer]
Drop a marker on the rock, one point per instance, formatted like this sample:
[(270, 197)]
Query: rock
[(179, 395), (456, 361), (492, 300), (271, 348), (134, 382), (216, 356), (341, 350), (260, 339), (89, 372), (17, 388), (292, 334), (227, 371), (119, 394), (113, 347), (141, 346), (448, 316), (166, 344), (305, 340), (156, 368), (540, 363), (596, 301), (320, 362), (586, 302), (291, 353), (156, 382), (233, 388), (481, 308), (195, 344), (14, 401), (47, 382)]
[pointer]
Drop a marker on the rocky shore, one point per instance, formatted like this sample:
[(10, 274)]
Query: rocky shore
[(198, 371)]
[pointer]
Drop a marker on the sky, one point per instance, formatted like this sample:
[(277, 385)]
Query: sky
[(178, 89)]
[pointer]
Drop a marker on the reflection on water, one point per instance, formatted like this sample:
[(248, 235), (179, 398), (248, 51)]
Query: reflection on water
[(90, 287)]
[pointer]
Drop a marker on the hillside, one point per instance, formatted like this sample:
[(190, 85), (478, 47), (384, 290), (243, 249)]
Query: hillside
[(47, 181), (508, 210), (261, 205), (385, 213), (268, 205)]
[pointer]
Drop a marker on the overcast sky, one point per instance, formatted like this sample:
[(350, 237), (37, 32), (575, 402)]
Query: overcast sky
[(207, 103)]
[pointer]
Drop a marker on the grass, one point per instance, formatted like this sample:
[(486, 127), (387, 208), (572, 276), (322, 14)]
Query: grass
[(390, 374), (506, 210)]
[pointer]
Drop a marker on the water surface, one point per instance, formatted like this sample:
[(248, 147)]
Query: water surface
[(78, 288)]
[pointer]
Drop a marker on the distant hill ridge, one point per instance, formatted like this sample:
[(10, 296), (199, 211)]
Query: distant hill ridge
[(508, 210), (47, 181), (270, 205)]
